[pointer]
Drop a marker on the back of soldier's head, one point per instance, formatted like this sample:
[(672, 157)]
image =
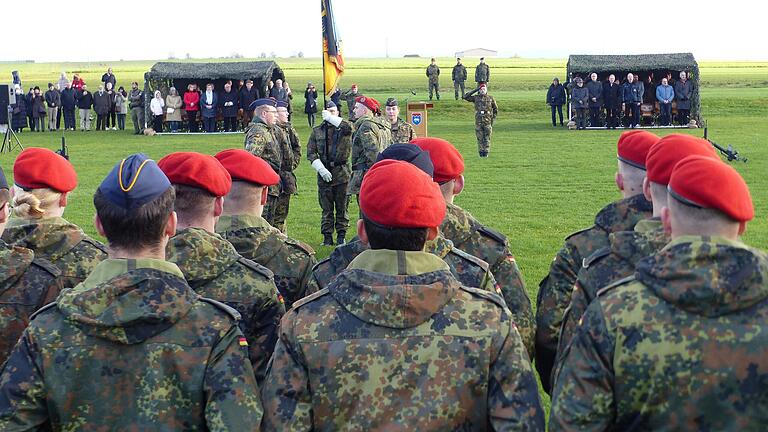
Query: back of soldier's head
[(199, 180), (631, 151), (41, 177), (250, 175), (133, 204)]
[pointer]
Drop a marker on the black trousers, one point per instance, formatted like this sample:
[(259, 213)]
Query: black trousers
[(311, 119), (101, 121), (69, 118), (581, 118), (666, 113), (209, 124), (594, 116), (634, 113), (611, 117), (559, 109), (230, 124), (683, 116), (111, 119), (192, 121), (157, 123), (58, 118)]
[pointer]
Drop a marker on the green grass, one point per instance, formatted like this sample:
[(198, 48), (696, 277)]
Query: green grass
[(539, 185)]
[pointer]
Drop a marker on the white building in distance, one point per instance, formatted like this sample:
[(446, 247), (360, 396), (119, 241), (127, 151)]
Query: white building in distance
[(477, 52)]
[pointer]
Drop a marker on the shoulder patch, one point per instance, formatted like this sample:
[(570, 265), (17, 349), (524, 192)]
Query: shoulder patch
[(578, 232), (256, 267), (41, 310), (499, 237), (95, 243), (301, 245), (615, 284), (596, 256), (47, 266), (309, 298), (471, 258), (493, 297), (235, 315)]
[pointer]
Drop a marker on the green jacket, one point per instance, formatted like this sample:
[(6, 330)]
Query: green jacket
[(474, 238), (402, 132), (131, 348), (261, 140), (332, 145), (214, 269), (372, 135), (396, 343), (290, 149), (486, 109), (59, 242), (290, 260), (679, 346)]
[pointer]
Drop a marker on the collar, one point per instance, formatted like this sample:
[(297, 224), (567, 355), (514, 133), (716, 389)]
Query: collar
[(394, 262)]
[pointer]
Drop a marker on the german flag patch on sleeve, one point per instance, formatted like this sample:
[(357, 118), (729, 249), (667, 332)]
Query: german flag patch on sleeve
[(243, 342)]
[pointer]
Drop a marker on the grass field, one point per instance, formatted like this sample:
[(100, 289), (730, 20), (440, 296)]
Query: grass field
[(539, 184)]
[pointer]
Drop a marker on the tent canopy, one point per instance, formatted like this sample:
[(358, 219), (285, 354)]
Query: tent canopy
[(263, 70), (631, 63)]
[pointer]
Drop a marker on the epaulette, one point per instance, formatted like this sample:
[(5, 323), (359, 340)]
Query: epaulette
[(491, 296), (321, 262), (256, 267), (614, 285), (471, 258), (95, 243), (578, 232), (301, 245), (596, 255), (47, 266), (41, 310), (219, 305), (499, 237), (309, 298)]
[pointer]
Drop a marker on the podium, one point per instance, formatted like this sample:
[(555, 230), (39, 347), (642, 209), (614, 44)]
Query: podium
[(417, 117)]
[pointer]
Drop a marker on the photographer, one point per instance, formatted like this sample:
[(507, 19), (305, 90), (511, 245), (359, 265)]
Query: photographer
[(310, 104)]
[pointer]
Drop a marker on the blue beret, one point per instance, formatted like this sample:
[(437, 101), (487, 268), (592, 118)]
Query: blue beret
[(260, 102), (135, 181), (282, 104), (3, 181), (410, 153), (329, 104)]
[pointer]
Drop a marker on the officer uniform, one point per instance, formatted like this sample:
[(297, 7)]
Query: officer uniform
[(291, 155), (396, 341), (214, 269), (372, 134), (402, 132), (290, 260), (681, 344), (485, 114), (433, 73), (459, 76), (132, 347), (262, 141)]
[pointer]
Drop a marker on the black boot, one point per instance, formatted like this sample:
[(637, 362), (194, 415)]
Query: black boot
[(328, 240), (340, 238)]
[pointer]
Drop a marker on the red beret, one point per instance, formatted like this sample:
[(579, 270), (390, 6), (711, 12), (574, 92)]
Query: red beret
[(709, 183), (483, 85), (399, 195), (633, 147), (38, 168), (447, 160), (196, 170), (368, 101), (245, 166), (668, 151)]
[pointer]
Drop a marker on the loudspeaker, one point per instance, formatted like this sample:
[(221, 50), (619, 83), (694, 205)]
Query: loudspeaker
[(5, 101)]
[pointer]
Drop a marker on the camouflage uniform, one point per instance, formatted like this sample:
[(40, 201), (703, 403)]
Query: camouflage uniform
[(60, 243), (459, 75), (482, 73), (261, 140), (371, 136), (400, 347), (402, 132), (602, 268), (433, 73), (349, 96), (291, 154), (290, 260), (332, 146), (214, 269), (467, 269), (26, 285), (469, 235), (555, 290), (485, 114), (679, 346), (131, 348)]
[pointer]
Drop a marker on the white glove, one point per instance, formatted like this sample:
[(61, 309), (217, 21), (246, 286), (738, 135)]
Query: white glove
[(325, 115), (334, 120), (317, 164)]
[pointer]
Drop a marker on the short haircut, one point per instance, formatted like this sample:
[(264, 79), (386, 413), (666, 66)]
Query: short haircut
[(192, 203), (697, 218), (632, 175), (405, 239), (136, 229), (260, 109), (243, 194)]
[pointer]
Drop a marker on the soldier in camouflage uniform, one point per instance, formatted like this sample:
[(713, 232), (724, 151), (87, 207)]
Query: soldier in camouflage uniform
[(556, 288), (132, 347), (210, 264), (681, 344), (482, 72), (262, 141), (433, 73), (291, 154), (372, 134), (241, 224), (485, 114), (459, 76), (402, 132), (328, 149), (396, 342), (349, 96), (43, 181)]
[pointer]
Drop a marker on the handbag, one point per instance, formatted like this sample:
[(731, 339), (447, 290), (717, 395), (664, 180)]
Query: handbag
[(170, 110)]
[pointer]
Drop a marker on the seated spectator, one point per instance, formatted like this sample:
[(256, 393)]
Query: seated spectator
[(556, 99), (208, 106), (580, 98), (157, 107), (173, 106), (228, 100), (665, 94), (191, 106)]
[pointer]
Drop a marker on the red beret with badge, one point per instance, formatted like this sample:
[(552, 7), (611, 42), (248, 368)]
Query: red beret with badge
[(38, 168), (371, 103), (633, 147), (245, 166), (671, 149), (448, 162), (196, 170)]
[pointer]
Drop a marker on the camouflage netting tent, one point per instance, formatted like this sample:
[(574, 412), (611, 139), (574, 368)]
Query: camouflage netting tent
[(643, 64), (165, 75)]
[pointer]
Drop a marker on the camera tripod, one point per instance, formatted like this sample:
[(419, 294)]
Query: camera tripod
[(9, 137)]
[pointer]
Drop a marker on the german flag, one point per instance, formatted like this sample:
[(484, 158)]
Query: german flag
[(333, 61)]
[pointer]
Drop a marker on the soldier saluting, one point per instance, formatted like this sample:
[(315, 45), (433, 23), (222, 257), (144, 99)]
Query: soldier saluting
[(485, 114)]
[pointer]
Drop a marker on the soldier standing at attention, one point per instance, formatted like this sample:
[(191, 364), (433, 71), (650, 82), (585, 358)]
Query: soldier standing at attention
[(328, 149), (262, 141), (372, 134), (133, 347), (402, 132), (291, 155), (242, 225), (349, 96), (482, 72), (474, 238), (210, 264), (433, 73), (396, 341), (485, 114), (458, 75), (43, 181), (681, 344), (556, 288)]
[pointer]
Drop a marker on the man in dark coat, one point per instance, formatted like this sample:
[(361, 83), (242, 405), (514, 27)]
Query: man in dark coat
[(632, 96), (556, 99), (595, 89), (84, 103), (101, 104), (28, 99), (310, 104), (612, 100), (580, 100), (228, 100), (68, 104), (248, 94), (683, 92), (109, 77)]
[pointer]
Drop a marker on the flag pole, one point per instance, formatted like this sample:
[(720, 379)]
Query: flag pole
[(322, 42)]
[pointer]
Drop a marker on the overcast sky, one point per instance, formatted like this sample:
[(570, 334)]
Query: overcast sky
[(89, 30)]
